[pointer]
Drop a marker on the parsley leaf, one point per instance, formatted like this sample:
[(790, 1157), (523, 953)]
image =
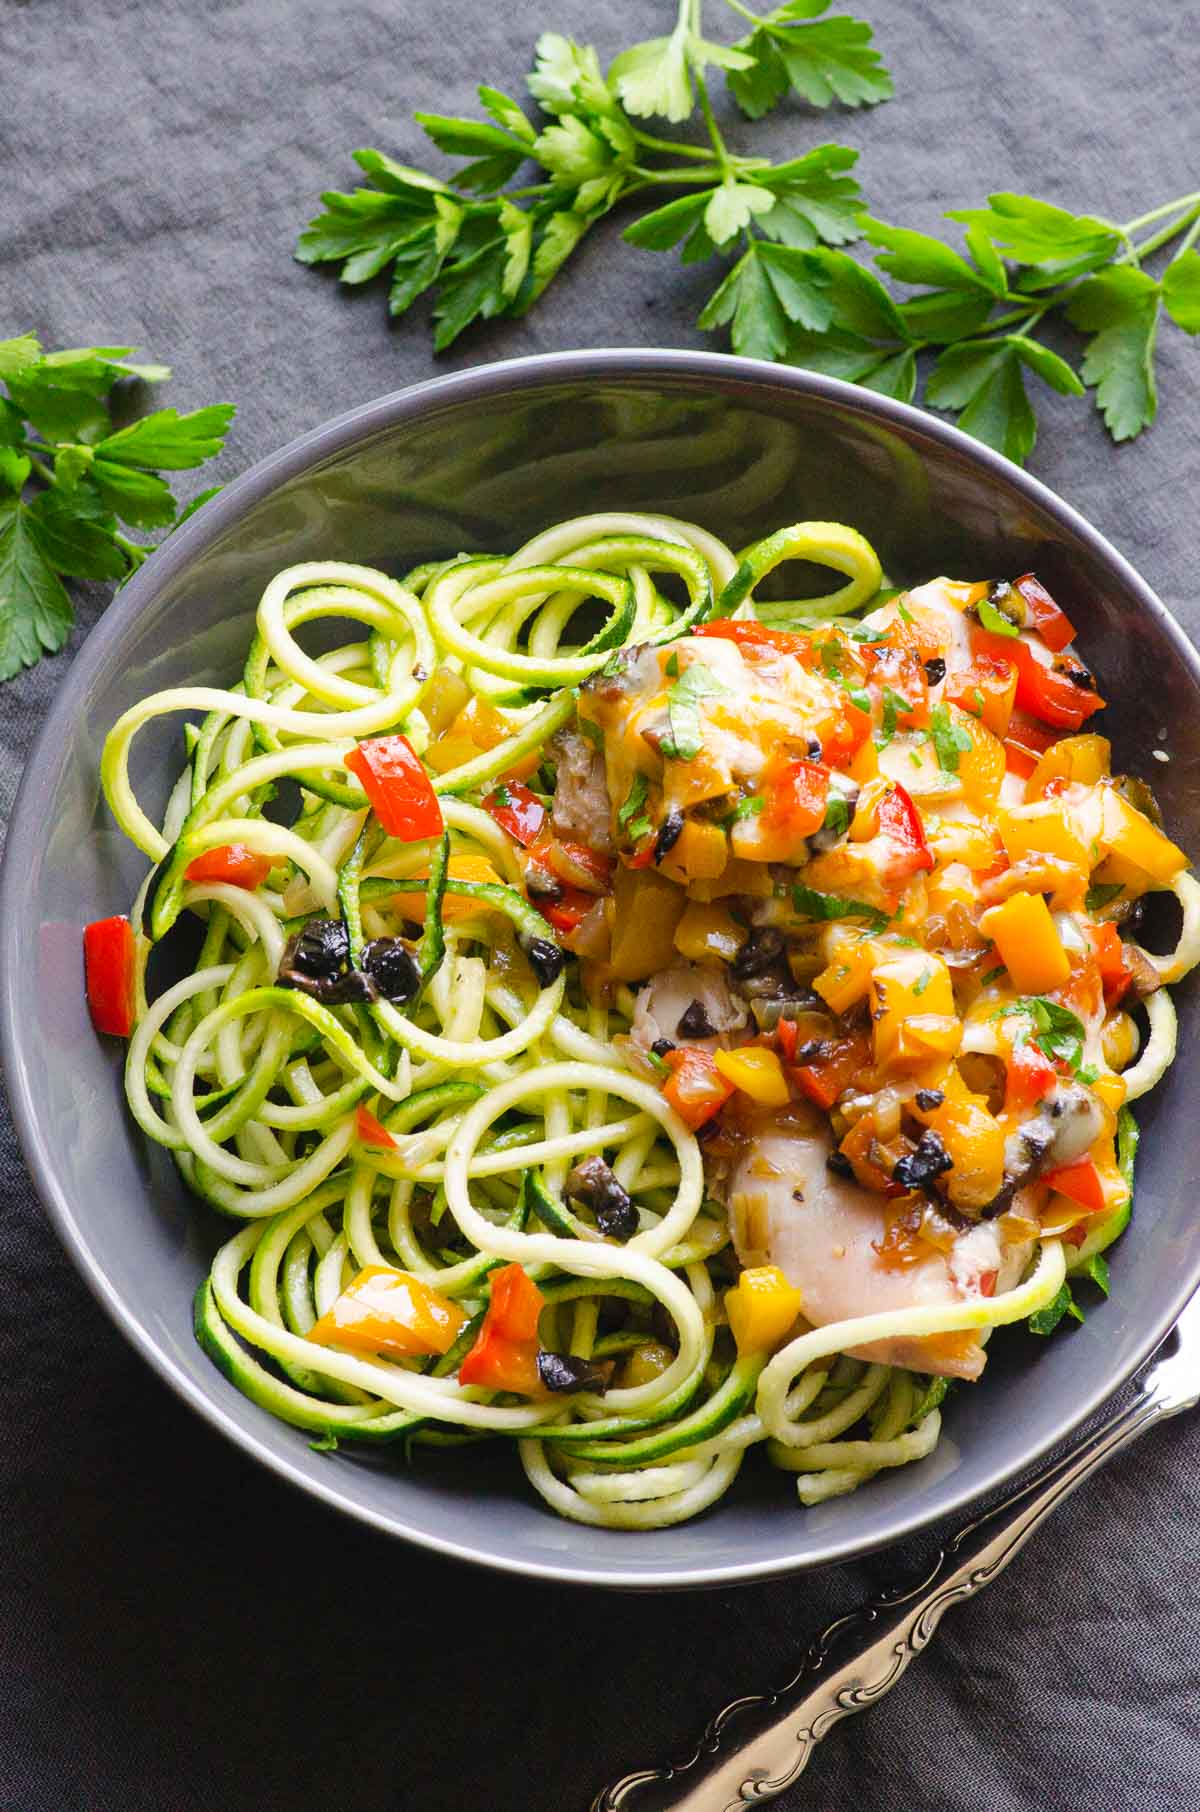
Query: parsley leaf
[(1102, 894), (635, 799), (837, 815), (809, 904), (1181, 291), (950, 740), (66, 477), (1044, 1321), (1096, 1269), (683, 697), (894, 705), (821, 60), (1119, 309), (1057, 1032), (770, 287)]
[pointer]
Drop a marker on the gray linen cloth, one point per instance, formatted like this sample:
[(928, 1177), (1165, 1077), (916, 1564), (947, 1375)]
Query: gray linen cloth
[(179, 1632)]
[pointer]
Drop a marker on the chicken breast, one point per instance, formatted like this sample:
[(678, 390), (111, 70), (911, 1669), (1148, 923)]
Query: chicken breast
[(663, 1002), (788, 1209), (581, 811)]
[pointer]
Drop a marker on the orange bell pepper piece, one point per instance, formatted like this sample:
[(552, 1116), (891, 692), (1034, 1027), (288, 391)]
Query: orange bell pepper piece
[(388, 1312)]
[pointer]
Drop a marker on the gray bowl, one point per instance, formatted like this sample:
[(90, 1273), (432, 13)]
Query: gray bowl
[(482, 460)]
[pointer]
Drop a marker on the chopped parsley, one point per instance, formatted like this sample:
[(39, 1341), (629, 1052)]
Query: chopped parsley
[(1057, 1032), (860, 698), (672, 668), (837, 815), (894, 705), (1102, 895), (904, 614), (991, 976), (746, 808), (683, 701), (809, 904), (995, 620), (635, 799), (922, 982), (949, 739), (1044, 1321)]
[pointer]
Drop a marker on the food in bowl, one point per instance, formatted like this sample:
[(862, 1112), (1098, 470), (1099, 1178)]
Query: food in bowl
[(638, 1018)]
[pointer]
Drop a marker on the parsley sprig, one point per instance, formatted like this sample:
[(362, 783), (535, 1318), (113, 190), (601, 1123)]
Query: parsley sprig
[(485, 245), (68, 479)]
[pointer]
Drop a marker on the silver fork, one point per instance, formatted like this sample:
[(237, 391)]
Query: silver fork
[(760, 1745)]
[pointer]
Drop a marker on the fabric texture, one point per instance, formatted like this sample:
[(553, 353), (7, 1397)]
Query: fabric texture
[(179, 1631)]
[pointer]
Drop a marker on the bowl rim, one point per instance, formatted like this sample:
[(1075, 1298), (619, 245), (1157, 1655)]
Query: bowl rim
[(304, 453)]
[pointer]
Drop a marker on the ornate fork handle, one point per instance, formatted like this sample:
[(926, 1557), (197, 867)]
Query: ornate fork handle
[(862, 1656)]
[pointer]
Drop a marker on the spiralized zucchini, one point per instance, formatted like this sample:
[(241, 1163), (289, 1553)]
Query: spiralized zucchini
[(490, 1082)]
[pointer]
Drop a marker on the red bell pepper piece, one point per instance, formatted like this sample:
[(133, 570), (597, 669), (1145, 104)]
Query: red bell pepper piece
[(570, 910), (109, 961), (504, 1356), (987, 1283), (787, 1035), (231, 863), (1043, 614), (826, 1076), (1080, 1183), (1044, 692), (900, 821), (517, 810), (1024, 746), (796, 798), (1031, 1076), (1110, 960), (372, 1131), (399, 789), (695, 1088), (841, 743), (757, 638), (895, 664)]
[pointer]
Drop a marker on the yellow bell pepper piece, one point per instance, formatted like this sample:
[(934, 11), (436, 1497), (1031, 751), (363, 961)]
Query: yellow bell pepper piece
[(757, 1072), (974, 1141), (455, 905), (387, 1311), (1082, 760), (708, 931), (1043, 829), (981, 767), (912, 1010), (738, 876), (1130, 836), (865, 765), (646, 910), (847, 977), (699, 853), (762, 1307), (1030, 948)]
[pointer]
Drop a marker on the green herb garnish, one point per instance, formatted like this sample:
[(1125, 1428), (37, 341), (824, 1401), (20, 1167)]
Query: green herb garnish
[(894, 705), (837, 815), (683, 697), (1102, 894), (68, 479), (1044, 1321), (1057, 1032), (635, 799), (995, 620), (809, 904), (949, 739)]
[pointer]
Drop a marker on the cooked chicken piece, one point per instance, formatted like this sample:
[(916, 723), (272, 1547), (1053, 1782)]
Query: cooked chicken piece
[(580, 811), (680, 1003), (788, 1209)]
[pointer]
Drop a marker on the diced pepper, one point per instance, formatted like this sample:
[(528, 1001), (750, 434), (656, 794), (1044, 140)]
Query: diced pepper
[(1043, 614), (912, 1011), (699, 853), (454, 906), (646, 911), (1031, 1077), (372, 1131), (974, 1139), (568, 912), (695, 1088), (795, 799), (516, 810), (572, 863), (757, 1072), (986, 690), (504, 1356), (1044, 691), (787, 1037), (1076, 759), (762, 1307), (110, 967), (477, 728), (896, 667), (757, 638), (900, 821), (398, 788), (1080, 1182), (847, 977), (856, 1148), (738, 876), (443, 698), (981, 768), (1110, 960), (844, 736), (231, 863), (708, 931), (389, 1312), (825, 1076), (1043, 828), (1028, 942), (1130, 835)]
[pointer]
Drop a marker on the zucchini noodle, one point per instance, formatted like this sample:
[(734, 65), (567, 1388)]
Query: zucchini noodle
[(383, 1058)]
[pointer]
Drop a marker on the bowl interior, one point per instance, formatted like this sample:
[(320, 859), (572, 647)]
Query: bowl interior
[(481, 462)]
